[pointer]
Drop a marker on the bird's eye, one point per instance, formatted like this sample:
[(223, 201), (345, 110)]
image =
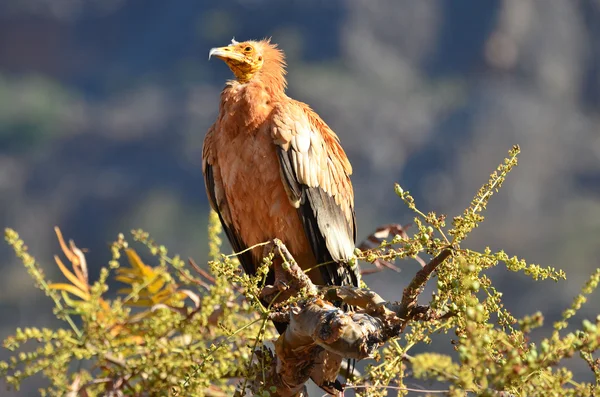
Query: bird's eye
[(248, 49)]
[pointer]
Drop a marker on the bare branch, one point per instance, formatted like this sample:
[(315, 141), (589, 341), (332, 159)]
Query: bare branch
[(375, 240), (410, 294)]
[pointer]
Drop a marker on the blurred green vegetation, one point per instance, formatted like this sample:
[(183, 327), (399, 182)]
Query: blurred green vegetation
[(34, 110)]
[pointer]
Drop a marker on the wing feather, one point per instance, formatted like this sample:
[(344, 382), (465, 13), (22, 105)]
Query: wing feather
[(316, 175)]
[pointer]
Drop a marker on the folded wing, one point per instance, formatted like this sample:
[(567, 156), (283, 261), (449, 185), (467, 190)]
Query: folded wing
[(316, 175)]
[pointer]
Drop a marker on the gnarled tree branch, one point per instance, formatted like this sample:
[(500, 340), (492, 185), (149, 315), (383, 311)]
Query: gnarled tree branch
[(320, 335)]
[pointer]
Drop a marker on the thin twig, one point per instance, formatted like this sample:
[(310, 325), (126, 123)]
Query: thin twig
[(377, 240), (201, 271)]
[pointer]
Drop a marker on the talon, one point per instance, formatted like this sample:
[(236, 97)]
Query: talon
[(282, 285)]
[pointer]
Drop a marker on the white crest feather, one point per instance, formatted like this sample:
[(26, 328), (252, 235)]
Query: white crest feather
[(233, 42)]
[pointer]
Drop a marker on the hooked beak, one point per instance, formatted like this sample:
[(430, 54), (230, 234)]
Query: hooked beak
[(225, 53)]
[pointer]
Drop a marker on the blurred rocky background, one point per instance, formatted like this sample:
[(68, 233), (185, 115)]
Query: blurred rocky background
[(104, 105)]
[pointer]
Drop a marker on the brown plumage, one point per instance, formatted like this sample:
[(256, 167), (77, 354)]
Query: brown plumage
[(274, 169)]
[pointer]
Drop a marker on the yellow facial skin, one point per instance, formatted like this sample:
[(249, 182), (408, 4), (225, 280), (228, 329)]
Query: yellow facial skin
[(244, 59)]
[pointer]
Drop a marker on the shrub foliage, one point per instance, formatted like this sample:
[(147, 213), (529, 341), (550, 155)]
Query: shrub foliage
[(175, 329)]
